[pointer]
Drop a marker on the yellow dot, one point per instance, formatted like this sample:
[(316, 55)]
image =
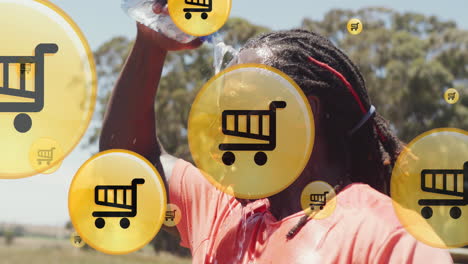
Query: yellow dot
[(117, 202), (355, 26), (451, 96), (318, 199), (429, 186), (173, 215), (47, 85), (76, 240), (199, 17), (251, 131)]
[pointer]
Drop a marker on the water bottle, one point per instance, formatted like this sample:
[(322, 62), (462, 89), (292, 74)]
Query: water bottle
[(142, 12)]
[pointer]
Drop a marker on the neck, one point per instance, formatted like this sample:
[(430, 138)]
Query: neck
[(287, 197)]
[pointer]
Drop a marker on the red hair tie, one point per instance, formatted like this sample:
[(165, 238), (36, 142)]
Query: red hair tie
[(367, 113)]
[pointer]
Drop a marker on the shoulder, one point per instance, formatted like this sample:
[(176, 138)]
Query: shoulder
[(368, 206), (360, 192), (368, 219), (366, 214)]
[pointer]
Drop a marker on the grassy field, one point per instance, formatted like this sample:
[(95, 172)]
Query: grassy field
[(29, 250)]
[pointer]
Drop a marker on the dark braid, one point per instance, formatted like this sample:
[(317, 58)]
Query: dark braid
[(374, 148)]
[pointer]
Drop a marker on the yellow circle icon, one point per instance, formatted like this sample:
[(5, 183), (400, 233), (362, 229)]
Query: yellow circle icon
[(451, 96), (251, 131), (173, 215), (199, 17), (76, 240), (354, 26), (429, 188), (117, 202), (43, 152), (47, 84), (318, 199)]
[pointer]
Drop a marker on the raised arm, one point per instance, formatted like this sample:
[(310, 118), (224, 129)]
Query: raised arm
[(129, 122)]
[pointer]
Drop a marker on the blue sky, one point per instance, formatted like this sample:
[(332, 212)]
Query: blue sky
[(43, 199), (103, 19)]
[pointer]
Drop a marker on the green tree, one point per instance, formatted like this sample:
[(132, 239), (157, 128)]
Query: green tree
[(69, 226), (9, 237), (12, 233), (19, 231), (408, 60)]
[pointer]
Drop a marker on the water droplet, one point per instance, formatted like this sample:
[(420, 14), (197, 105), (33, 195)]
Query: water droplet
[(220, 50)]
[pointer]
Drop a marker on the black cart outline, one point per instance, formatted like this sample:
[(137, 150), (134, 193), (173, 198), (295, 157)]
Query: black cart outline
[(124, 222), (318, 199), (171, 214), (455, 212), (355, 26), (45, 155), (37, 94), (451, 96), (260, 157), (204, 7), (77, 239)]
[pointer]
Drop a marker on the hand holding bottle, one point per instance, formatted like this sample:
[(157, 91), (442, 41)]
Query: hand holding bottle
[(155, 16)]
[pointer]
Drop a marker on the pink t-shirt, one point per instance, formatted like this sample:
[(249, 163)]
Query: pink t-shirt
[(362, 229)]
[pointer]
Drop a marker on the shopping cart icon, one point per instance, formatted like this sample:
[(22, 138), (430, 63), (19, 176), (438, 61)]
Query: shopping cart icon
[(202, 6), (451, 96), (260, 157), (77, 239), (129, 206), (170, 215), (429, 180), (45, 155), (318, 199), (355, 26), (23, 122)]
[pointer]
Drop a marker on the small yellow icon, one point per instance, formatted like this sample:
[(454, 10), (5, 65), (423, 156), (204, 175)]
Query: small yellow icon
[(47, 86), (251, 131), (76, 240), (173, 215), (199, 17), (318, 199), (117, 202), (451, 96), (44, 153), (355, 26), (429, 187)]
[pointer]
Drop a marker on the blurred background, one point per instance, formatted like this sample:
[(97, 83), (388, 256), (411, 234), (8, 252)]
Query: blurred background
[(409, 52)]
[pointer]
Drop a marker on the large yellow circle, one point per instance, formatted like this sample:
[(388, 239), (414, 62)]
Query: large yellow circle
[(69, 89), (180, 10), (115, 170), (418, 188), (250, 87)]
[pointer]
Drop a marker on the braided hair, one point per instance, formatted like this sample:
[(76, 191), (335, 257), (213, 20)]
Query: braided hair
[(316, 65)]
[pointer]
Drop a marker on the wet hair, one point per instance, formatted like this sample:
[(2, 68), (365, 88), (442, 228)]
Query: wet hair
[(316, 65)]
